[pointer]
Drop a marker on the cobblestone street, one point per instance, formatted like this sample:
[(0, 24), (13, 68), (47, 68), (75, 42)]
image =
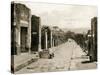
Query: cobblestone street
[(66, 57)]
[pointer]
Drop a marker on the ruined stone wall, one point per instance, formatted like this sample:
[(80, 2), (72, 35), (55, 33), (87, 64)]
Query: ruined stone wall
[(20, 17)]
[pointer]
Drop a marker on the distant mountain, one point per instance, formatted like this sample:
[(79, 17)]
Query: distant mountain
[(76, 30)]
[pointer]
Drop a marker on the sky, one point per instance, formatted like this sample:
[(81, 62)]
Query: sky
[(63, 15)]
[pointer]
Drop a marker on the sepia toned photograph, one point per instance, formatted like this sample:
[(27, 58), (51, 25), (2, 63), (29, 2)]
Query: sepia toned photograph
[(49, 37)]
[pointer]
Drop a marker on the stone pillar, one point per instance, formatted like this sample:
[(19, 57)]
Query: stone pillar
[(52, 42), (46, 40), (51, 39), (16, 32), (39, 43), (19, 51), (29, 33), (17, 39)]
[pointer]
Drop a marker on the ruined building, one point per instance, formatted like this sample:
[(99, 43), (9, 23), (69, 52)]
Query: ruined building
[(20, 28)]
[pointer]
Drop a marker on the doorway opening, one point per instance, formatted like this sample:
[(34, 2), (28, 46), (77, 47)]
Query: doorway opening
[(24, 39)]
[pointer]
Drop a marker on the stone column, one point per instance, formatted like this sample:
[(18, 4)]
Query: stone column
[(17, 39), (51, 39), (52, 42), (39, 43), (46, 40), (17, 32), (29, 33)]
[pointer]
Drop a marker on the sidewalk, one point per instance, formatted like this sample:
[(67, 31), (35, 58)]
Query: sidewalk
[(84, 66), (78, 57), (23, 60)]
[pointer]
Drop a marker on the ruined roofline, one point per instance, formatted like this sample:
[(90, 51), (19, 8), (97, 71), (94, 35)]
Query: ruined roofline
[(35, 16), (20, 4)]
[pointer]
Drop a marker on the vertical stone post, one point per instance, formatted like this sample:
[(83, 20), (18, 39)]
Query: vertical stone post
[(39, 43), (28, 43), (51, 39), (52, 42), (29, 33), (18, 41), (46, 40), (16, 32), (17, 36)]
